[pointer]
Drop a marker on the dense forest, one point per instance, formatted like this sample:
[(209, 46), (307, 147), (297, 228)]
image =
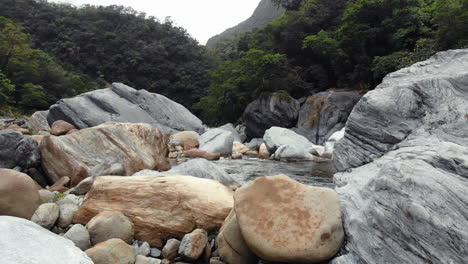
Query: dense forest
[(322, 44), (87, 47)]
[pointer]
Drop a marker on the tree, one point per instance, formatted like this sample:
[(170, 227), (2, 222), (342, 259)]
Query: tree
[(451, 18)]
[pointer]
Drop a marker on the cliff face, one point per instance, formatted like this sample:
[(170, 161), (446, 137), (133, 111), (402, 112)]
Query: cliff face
[(265, 12)]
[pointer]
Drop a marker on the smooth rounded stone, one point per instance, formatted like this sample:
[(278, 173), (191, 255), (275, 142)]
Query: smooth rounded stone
[(171, 249), (230, 127), (155, 253), (193, 245), (67, 212), (239, 148), (276, 109), (146, 260), (217, 141), (165, 206), (141, 248), (276, 137), (46, 215), (114, 251), (110, 224), (70, 199), (83, 187), (79, 235), (197, 153), (38, 121), (325, 113), (27, 154), (299, 224), (255, 143), (61, 127), (263, 152), (108, 149), (292, 153), (18, 194), (46, 196), (24, 242), (231, 245), (186, 139), (9, 139), (121, 103), (200, 168)]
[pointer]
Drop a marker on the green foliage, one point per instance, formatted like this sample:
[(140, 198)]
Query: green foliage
[(451, 17), (6, 89), (59, 196)]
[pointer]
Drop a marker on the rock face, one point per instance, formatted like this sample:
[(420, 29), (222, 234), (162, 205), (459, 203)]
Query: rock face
[(217, 141), (199, 168), (24, 242), (121, 103), (18, 194), (276, 109), (114, 251), (110, 224), (410, 204), (163, 207), (276, 137), (324, 114), (298, 224), (108, 149), (9, 140)]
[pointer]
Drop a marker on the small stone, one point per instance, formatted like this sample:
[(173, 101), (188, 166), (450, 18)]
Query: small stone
[(216, 261), (172, 155), (67, 211), (146, 260), (83, 187), (80, 236), (239, 147), (46, 196), (171, 249), (236, 156), (46, 215), (114, 251), (61, 127), (110, 224), (165, 261), (143, 249), (60, 185), (193, 245), (263, 152), (252, 153), (155, 253)]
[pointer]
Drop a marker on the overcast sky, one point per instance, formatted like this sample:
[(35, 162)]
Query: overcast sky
[(202, 18)]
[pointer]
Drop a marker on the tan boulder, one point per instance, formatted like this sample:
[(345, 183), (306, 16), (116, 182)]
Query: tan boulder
[(18, 194), (108, 225), (15, 127), (263, 152), (186, 139), (239, 148), (108, 149), (193, 245), (112, 251), (198, 153), (231, 245), (61, 127), (160, 207), (282, 220)]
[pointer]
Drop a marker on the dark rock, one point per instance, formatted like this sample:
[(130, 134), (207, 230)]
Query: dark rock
[(9, 140), (325, 113), (27, 154), (122, 103), (276, 109), (38, 176)]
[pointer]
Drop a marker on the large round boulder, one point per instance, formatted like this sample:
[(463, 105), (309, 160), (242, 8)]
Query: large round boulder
[(18, 194), (282, 220), (276, 109)]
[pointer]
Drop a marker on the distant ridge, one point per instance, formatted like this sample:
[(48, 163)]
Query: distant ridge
[(265, 12)]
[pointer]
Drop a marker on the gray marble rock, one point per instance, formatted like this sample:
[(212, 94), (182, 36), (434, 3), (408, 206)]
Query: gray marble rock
[(276, 109), (24, 242), (276, 137), (217, 141), (408, 203), (46, 215), (9, 140), (27, 154), (255, 143), (291, 153), (79, 235), (38, 121), (200, 168), (324, 114), (230, 127), (122, 103)]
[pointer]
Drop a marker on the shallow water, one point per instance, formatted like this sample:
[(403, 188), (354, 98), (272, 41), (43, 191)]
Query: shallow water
[(312, 173)]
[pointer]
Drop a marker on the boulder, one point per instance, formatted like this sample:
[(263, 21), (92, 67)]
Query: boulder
[(238, 147), (199, 168), (46, 215), (255, 143), (217, 141), (27, 154), (325, 113), (276, 137), (186, 139), (121, 103), (330, 144), (298, 224), (197, 153), (110, 224), (292, 153), (38, 176), (38, 121), (193, 244), (171, 249), (276, 109), (230, 128), (108, 149), (61, 127), (9, 140), (407, 204), (163, 207), (231, 244), (114, 251), (263, 152), (146, 260), (141, 248), (18, 194), (83, 187), (79, 235), (24, 242)]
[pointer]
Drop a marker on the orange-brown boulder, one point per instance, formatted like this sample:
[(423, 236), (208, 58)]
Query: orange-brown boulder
[(160, 207), (61, 127)]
